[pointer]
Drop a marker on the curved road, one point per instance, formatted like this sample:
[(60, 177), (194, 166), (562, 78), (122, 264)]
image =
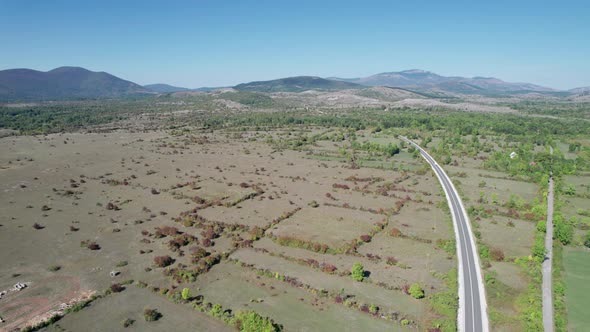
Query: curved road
[(472, 315)]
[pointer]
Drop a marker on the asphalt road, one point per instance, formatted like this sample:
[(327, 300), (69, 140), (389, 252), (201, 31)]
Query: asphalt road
[(472, 315)]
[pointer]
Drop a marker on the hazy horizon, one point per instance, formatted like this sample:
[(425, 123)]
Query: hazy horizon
[(193, 45)]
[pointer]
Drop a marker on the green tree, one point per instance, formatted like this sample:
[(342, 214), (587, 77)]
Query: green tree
[(587, 240), (416, 291), (186, 294), (250, 321), (216, 310), (564, 232), (358, 272)]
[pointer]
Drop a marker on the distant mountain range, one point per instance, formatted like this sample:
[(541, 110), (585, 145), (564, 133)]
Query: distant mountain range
[(582, 90), (64, 83), (164, 88), (422, 80), (79, 83), (297, 84)]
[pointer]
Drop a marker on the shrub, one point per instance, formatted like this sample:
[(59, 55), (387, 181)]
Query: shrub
[(358, 272), (497, 254), (54, 268), (166, 231), (74, 229), (112, 206), (186, 294), (38, 226), (128, 322), (587, 240), (90, 245), (163, 261), (563, 231), (209, 233), (122, 263), (216, 310), (395, 232), (117, 288), (365, 238), (154, 191), (250, 321), (373, 309), (340, 186), (328, 268), (391, 260), (207, 243), (416, 291), (151, 315), (256, 233)]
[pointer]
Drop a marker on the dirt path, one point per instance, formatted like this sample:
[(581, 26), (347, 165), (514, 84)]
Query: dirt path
[(547, 264)]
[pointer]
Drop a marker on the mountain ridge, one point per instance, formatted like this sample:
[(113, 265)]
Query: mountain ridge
[(426, 80), (296, 84), (64, 83)]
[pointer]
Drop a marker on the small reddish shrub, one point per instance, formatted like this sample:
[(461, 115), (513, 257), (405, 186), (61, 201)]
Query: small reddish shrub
[(391, 260), (117, 288), (340, 186), (163, 261), (497, 254), (328, 268), (406, 289), (93, 246), (112, 206), (209, 233), (365, 238), (166, 231), (395, 232)]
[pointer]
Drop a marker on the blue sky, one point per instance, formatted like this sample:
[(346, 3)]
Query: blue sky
[(216, 43)]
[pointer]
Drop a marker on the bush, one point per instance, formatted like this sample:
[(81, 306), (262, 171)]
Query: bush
[(38, 226), (163, 261), (416, 291), (90, 245), (216, 310), (186, 294), (117, 288), (395, 232), (128, 322), (564, 231), (497, 254), (151, 315), (329, 268), (391, 260), (358, 272), (587, 240), (250, 321), (365, 238), (122, 263), (54, 268)]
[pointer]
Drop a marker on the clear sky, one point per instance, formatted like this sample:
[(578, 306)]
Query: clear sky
[(218, 43)]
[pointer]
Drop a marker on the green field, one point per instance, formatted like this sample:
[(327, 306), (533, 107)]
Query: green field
[(577, 281)]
